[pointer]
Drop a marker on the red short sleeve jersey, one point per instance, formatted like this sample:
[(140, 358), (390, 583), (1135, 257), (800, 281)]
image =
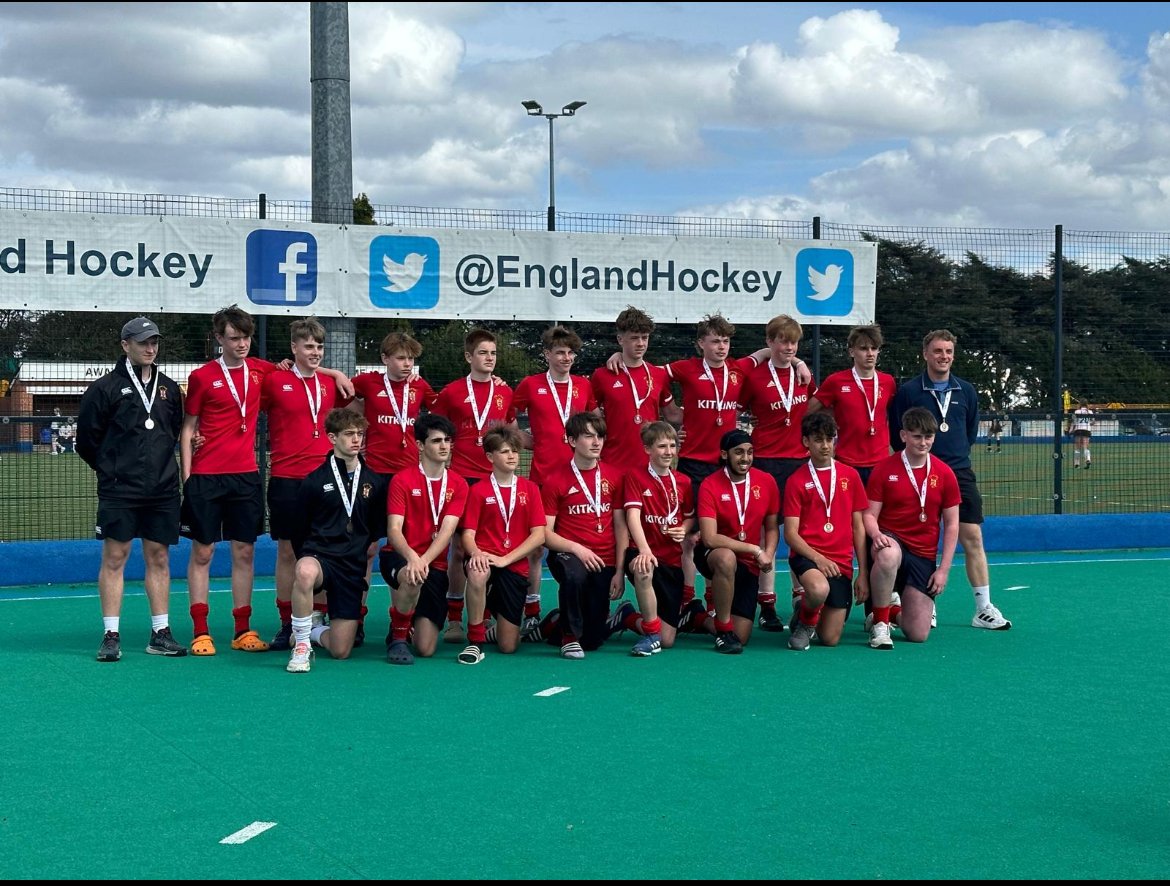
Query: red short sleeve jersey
[(757, 497), (296, 441), (229, 437), (492, 402), (802, 500), (778, 415), (859, 406), (416, 498), (496, 533), (902, 507), (390, 447), (576, 519), (710, 401), (629, 398), (546, 402), (661, 502)]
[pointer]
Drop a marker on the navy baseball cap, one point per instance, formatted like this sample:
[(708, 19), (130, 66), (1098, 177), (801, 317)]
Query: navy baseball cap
[(139, 329)]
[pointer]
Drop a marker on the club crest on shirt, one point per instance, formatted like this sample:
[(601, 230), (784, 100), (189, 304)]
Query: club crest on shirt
[(756, 493), (844, 484), (162, 393), (367, 490), (450, 495), (934, 481), (499, 401), (523, 499), (734, 378), (605, 487)]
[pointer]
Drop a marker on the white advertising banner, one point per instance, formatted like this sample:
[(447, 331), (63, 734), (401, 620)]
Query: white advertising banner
[(75, 262)]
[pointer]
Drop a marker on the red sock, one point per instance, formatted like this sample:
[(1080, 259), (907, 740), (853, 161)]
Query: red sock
[(365, 610), (455, 610), (400, 623), (723, 626), (284, 607), (700, 619), (487, 614), (477, 633), (199, 618), (567, 638), (710, 601), (767, 598), (242, 615), (532, 609), (688, 595), (808, 616), (630, 622), (652, 627), (881, 614), (895, 611)]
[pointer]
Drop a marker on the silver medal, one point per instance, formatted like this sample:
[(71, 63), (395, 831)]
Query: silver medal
[(149, 423)]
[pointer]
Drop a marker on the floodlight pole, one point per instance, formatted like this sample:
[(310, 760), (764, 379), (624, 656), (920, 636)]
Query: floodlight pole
[(535, 110)]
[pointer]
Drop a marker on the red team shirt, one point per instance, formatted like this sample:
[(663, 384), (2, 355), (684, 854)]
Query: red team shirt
[(717, 502), (851, 405), (705, 422), (901, 506), (295, 452), (390, 447), (467, 455), (534, 395), (771, 437), (656, 499), (615, 393), (412, 495), (227, 449), (483, 515), (801, 500), (575, 519)]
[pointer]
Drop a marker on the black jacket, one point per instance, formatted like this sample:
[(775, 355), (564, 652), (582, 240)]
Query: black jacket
[(133, 462)]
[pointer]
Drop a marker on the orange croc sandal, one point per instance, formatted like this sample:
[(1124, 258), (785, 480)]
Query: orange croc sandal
[(249, 641), (203, 645)]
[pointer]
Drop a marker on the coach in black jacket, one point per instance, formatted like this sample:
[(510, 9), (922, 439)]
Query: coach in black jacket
[(127, 428)]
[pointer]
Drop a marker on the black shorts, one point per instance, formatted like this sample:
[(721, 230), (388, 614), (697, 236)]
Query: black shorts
[(283, 516), (222, 507), (667, 582), (971, 502), (747, 583), (506, 593), (780, 469), (156, 521), (344, 584), (914, 572), (698, 471), (432, 599), (1082, 433), (840, 588)]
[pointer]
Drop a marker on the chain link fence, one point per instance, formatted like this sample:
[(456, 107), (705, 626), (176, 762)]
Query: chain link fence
[(1001, 291)]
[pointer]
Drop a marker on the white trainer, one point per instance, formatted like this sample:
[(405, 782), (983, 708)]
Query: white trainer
[(868, 626), (879, 637), (990, 618), (301, 659)]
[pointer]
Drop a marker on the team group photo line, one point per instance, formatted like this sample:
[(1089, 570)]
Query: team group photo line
[(869, 481)]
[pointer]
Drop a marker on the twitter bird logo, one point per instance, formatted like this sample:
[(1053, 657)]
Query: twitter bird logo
[(824, 282), (824, 285), (403, 276), (404, 272)]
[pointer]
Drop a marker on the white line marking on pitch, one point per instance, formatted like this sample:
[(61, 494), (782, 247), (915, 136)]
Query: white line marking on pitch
[(245, 834), (1018, 588), (552, 690)]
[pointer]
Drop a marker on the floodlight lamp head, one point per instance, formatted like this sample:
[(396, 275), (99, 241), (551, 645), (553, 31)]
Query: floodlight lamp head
[(572, 107), (532, 106)]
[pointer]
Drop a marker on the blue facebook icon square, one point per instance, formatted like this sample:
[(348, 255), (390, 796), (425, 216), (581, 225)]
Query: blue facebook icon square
[(824, 282), (404, 272), (282, 267)]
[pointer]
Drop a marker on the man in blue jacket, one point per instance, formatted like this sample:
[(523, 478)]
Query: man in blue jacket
[(955, 404), (127, 427)]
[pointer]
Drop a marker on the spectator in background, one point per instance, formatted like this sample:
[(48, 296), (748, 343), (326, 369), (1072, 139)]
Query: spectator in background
[(1081, 424)]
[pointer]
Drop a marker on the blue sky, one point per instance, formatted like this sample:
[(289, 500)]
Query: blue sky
[(982, 114)]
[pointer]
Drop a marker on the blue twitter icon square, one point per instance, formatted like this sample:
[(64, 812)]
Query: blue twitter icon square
[(404, 272), (824, 282)]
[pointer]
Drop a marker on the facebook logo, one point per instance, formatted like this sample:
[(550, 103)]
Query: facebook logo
[(282, 267), (824, 282), (404, 272)]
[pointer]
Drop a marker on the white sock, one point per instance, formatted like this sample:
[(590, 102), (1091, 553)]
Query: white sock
[(111, 622), (316, 632), (158, 622), (1088, 458), (301, 625), (982, 596)]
